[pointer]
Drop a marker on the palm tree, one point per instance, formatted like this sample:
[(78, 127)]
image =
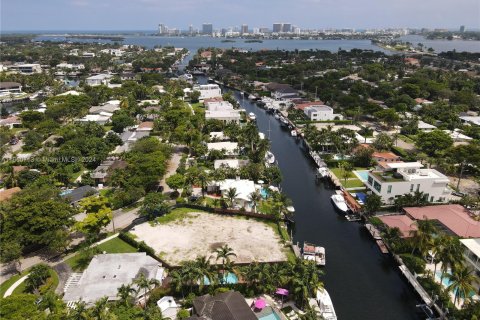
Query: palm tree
[(79, 312), (449, 251), (204, 269), (224, 253), (203, 178), (461, 285), (255, 198), (125, 294), (422, 239), (177, 280), (392, 236), (231, 195), (100, 310), (145, 284)]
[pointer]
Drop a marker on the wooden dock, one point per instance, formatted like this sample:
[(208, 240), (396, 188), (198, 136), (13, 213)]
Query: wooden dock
[(382, 246), (296, 250)]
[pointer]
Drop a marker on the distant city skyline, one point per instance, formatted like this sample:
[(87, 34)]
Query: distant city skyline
[(306, 14)]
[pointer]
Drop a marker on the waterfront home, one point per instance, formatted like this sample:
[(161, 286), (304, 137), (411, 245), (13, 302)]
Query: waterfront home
[(113, 52), (385, 157), (10, 87), (208, 91), (471, 254), (404, 223), (230, 148), (230, 163), (455, 218), (321, 113), (99, 79), (223, 111), (243, 190), (229, 305), (395, 179), (108, 272), (301, 105), (282, 91)]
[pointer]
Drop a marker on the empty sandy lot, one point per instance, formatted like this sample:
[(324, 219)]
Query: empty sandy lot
[(199, 234)]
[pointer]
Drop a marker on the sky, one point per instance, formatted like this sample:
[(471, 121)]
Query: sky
[(41, 15)]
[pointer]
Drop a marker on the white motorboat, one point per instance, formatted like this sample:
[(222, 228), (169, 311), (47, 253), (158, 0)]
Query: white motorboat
[(339, 202), (326, 305), (252, 97), (293, 133), (252, 116), (269, 158), (276, 116), (314, 253), (323, 172)]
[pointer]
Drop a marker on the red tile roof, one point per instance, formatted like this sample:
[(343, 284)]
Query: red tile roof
[(453, 216), (402, 222), (385, 155)]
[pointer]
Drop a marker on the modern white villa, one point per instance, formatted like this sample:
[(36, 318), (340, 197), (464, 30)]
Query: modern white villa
[(472, 253), (99, 79), (208, 91), (223, 111), (321, 113), (395, 179)]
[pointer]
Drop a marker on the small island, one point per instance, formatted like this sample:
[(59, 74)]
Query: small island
[(253, 41), (228, 40)]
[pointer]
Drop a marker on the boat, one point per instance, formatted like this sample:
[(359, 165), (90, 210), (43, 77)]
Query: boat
[(323, 172), (269, 157), (252, 116), (314, 253), (293, 133), (339, 202), (283, 121), (252, 97), (276, 115), (326, 305)]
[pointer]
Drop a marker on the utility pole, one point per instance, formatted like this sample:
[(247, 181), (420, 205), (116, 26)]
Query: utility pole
[(460, 177)]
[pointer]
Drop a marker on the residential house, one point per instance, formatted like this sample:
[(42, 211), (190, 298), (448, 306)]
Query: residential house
[(244, 188), (74, 196), (321, 113), (282, 91), (230, 163), (230, 148), (108, 272), (130, 76), (145, 126), (222, 110), (103, 172), (10, 87), (70, 66), (113, 52), (101, 118), (26, 68), (471, 253), (99, 79), (425, 127), (6, 194), (385, 157), (471, 120), (208, 91), (394, 179), (11, 122), (168, 307), (229, 305)]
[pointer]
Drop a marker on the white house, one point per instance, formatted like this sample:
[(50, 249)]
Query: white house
[(472, 120), (223, 111), (395, 179), (10, 87), (101, 118), (425, 127), (230, 148), (26, 68), (472, 253), (243, 189), (208, 91), (321, 113), (99, 79), (113, 52), (70, 66)]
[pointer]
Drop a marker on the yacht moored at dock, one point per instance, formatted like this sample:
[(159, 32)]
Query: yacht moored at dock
[(339, 202), (314, 253), (323, 172), (269, 158), (326, 305), (252, 116)]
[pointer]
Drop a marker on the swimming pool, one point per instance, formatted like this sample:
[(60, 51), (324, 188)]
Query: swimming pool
[(264, 193), (268, 314), (362, 175), (229, 278), (446, 282), (65, 192)]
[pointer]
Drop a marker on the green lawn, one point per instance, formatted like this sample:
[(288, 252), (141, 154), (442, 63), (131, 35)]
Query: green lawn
[(339, 173), (4, 286), (53, 275), (176, 214), (352, 183), (115, 245)]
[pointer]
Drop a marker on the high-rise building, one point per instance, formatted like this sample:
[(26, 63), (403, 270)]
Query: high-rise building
[(207, 28), (287, 27), (462, 29), (162, 29), (256, 30), (264, 30), (277, 27), (190, 30), (244, 29)]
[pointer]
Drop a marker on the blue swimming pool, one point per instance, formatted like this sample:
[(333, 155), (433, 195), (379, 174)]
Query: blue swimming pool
[(271, 316), (362, 175), (230, 278), (65, 192), (264, 193), (446, 282)]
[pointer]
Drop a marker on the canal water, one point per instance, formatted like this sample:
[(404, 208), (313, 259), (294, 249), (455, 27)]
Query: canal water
[(363, 283)]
